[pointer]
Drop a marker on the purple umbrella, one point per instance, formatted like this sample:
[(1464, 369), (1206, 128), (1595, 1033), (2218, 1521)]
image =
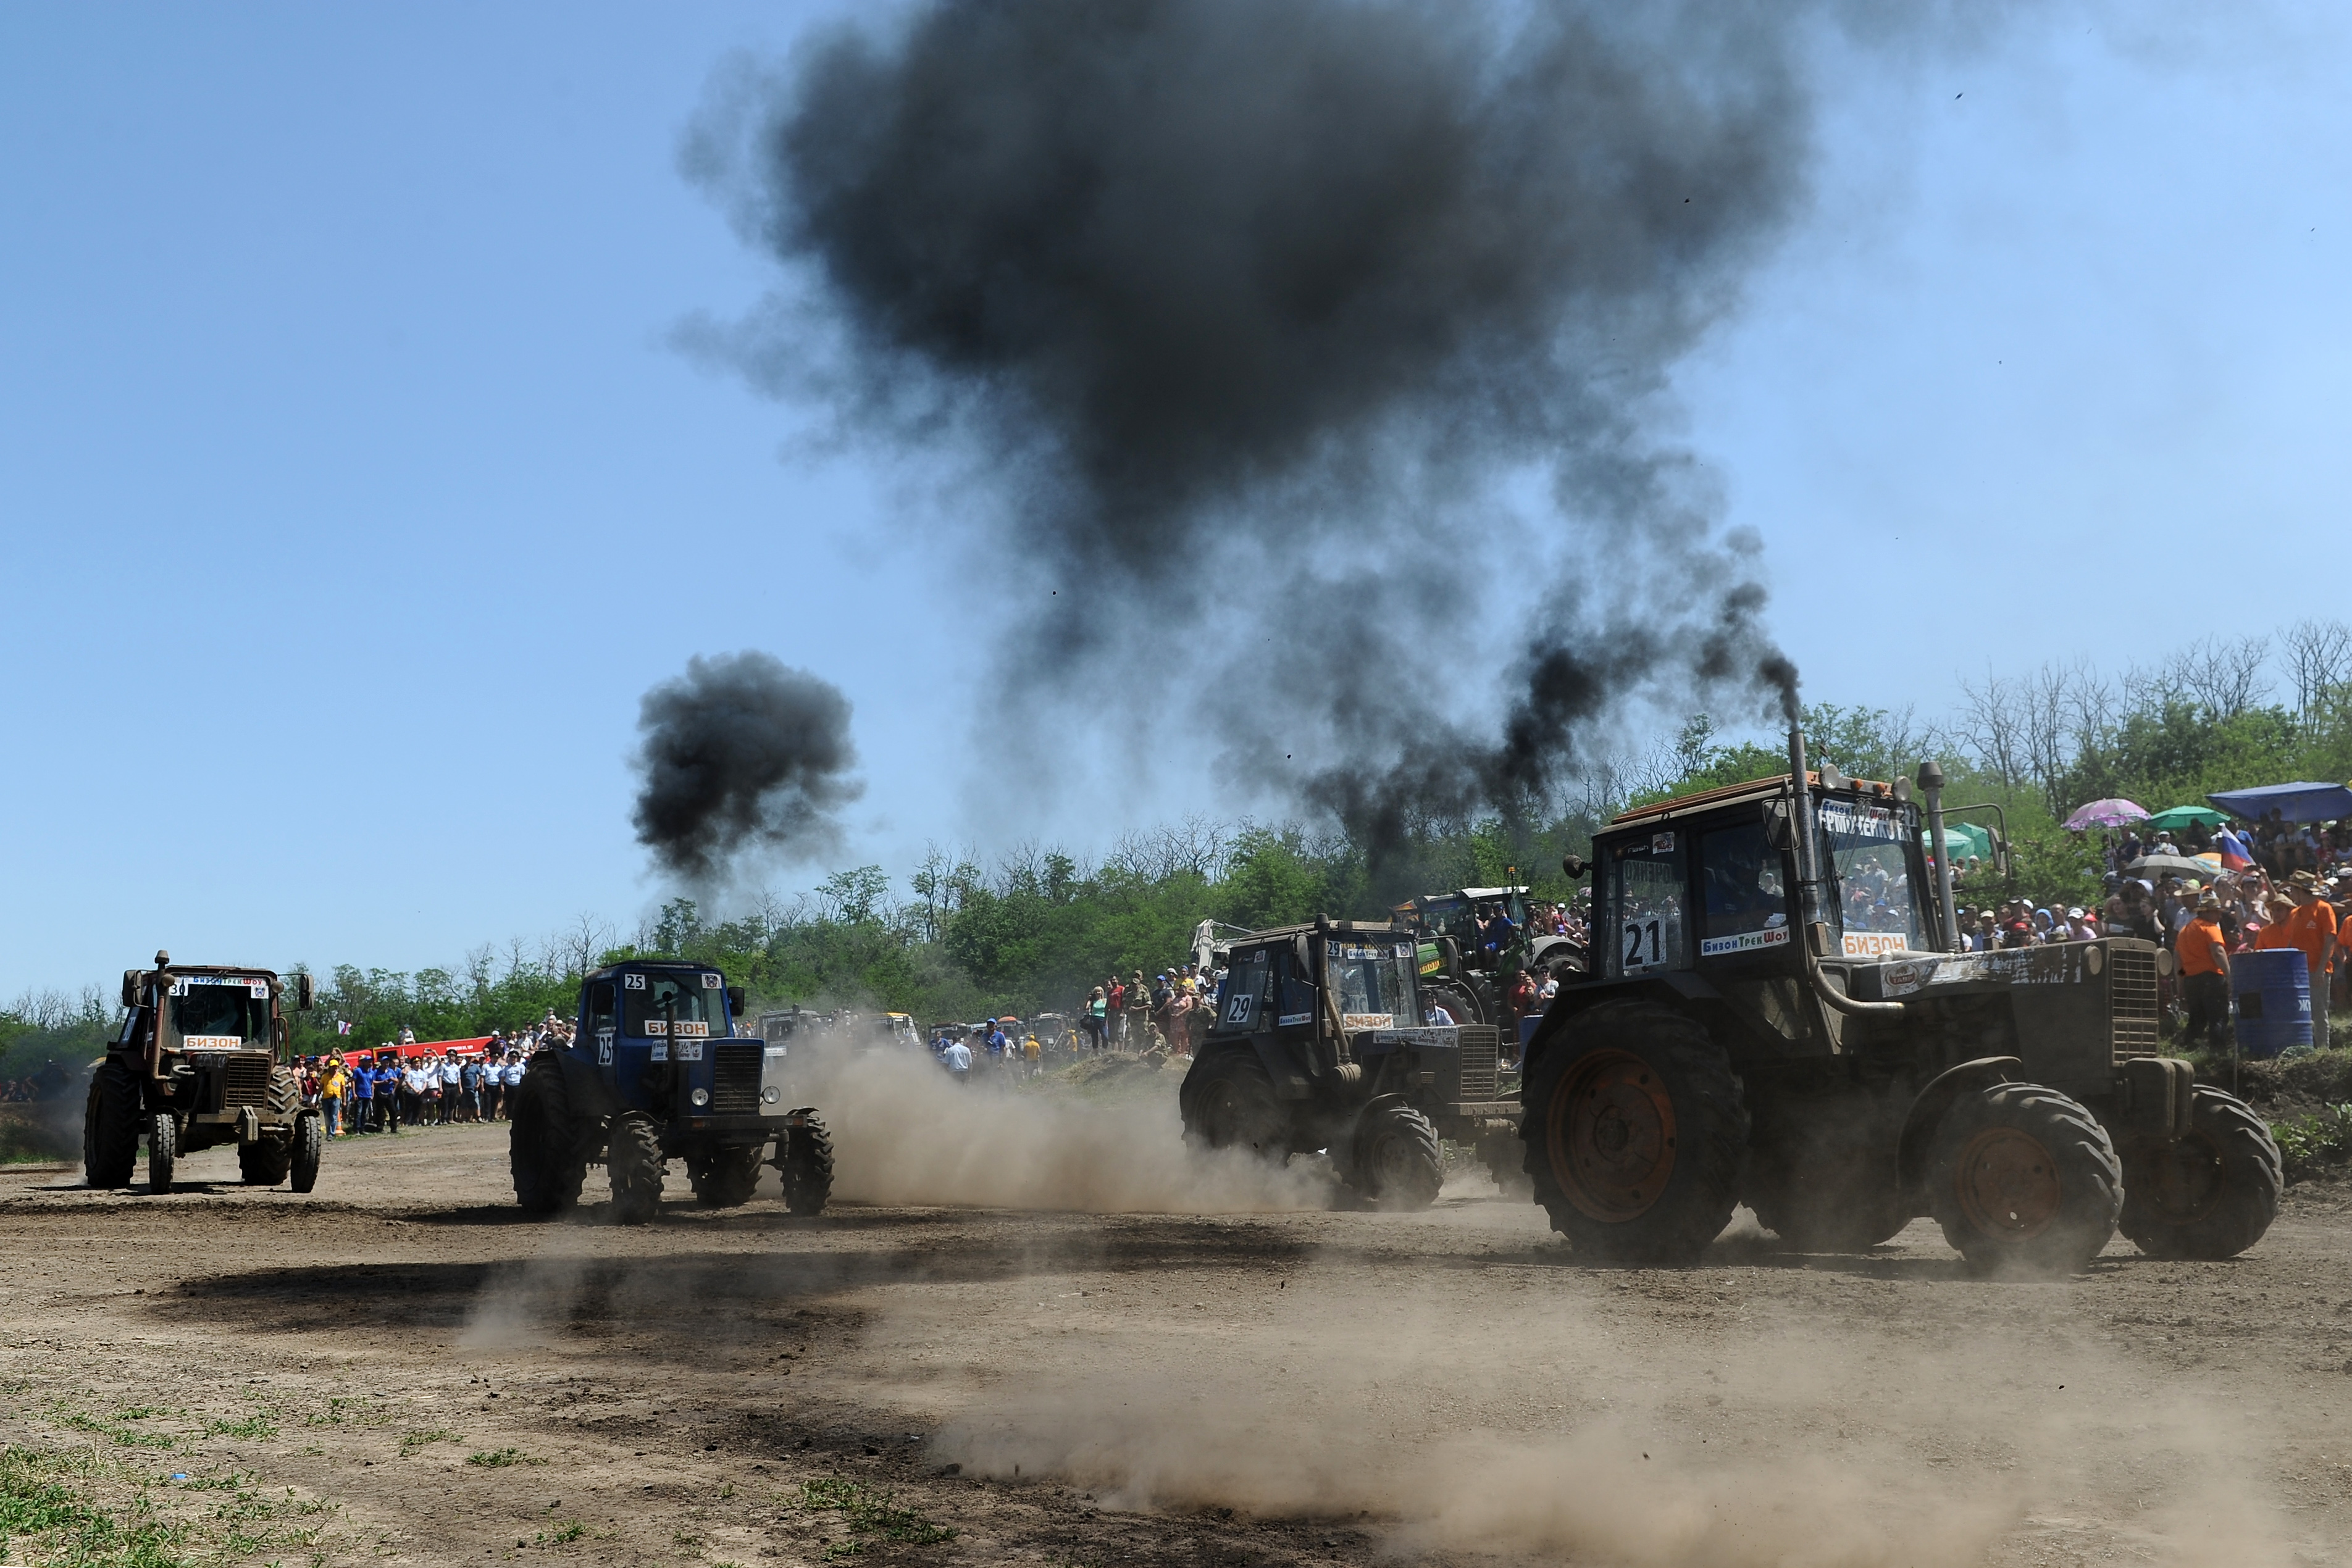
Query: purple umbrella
[(2105, 814)]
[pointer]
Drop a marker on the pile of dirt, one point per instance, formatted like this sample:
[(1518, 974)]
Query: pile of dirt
[(2285, 1088)]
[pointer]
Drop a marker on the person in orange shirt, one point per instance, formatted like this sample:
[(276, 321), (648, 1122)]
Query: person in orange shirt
[(2312, 927), (2204, 957)]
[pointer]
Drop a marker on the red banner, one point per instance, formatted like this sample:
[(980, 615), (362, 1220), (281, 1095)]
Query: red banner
[(433, 1048)]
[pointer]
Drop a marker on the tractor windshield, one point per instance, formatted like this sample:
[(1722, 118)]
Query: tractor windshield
[(1373, 982), (1870, 849), (221, 1012), (648, 1001)]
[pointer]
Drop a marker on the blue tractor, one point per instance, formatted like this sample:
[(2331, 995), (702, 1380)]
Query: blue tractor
[(654, 1071)]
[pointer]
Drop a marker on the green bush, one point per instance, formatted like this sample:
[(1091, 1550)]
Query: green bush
[(2314, 1144)]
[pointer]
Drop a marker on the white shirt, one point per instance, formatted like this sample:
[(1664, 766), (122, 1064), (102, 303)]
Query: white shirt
[(959, 1057), (448, 1075), (413, 1079)]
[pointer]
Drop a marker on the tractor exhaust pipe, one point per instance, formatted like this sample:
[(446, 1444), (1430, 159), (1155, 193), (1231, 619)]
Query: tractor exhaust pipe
[(1931, 785)]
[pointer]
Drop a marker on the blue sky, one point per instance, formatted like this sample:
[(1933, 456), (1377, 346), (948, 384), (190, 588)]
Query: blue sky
[(352, 495)]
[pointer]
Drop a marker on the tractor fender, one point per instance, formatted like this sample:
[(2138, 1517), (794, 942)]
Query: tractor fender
[(1677, 991), (1927, 1111), (1281, 1068), (584, 1089)]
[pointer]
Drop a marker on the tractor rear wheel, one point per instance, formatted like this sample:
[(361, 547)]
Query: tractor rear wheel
[(1460, 1002), (162, 1150), (724, 1178), (1634, 1131), (309, 1143), (2211, 1194), (1396, 1161), (806, 1158), (542, 1145), (109, 1124), (633, 1161), (2024, 1179), (1227, 1102)]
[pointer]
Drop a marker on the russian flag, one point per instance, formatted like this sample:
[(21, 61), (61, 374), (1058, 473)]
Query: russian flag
[(2234, 856)]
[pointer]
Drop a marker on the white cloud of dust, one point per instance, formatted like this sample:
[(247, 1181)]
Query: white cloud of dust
[(904, 1133), (1582, 1424)]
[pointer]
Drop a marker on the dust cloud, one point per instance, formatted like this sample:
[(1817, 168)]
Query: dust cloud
[(904, 1133), (1568, 1429)]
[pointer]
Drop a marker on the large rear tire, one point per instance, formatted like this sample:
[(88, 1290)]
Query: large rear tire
[(633, 1161), (1461, 1003), (310, 1145), (1227, 1102), (109, 1124), (2023, 1180), (162, 1150), (542, 1144), (725, 1178), (1634, 1133), (806, 1157), (2211, 1194), (1395, 1161)]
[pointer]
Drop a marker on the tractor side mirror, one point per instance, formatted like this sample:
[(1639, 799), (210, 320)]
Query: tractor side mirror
[(303, 993), (133, 984), (1575, 866), (735, 1000), (1776, 824)]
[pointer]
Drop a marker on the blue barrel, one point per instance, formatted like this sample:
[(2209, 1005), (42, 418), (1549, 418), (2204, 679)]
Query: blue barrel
[(2272, 1000)]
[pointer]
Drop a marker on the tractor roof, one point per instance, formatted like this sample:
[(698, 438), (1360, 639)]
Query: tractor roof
[(1740, 794)]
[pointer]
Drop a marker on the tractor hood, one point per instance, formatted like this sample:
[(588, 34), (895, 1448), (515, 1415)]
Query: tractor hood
[(1910, 976)]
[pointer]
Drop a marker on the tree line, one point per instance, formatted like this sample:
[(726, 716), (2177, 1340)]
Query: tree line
[(1034, 927)]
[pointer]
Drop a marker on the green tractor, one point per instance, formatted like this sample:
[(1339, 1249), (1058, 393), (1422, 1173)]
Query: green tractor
[(1473, 941), (1778, 1014)]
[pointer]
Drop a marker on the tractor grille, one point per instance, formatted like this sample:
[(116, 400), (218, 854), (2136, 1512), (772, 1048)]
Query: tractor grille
[(1479, 1044), (2131, 1001), (245, 1081), (735, 1079)]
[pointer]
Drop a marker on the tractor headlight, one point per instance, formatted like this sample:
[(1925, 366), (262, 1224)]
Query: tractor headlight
[(772, 1095), (700, 1097)]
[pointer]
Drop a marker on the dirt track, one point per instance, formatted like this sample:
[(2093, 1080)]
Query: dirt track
[(1278, 1387)]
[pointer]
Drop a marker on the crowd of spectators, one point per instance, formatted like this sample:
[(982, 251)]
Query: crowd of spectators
[(394, 1085)]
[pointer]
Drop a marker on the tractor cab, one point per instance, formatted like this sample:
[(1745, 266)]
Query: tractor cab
[(1709, 883)]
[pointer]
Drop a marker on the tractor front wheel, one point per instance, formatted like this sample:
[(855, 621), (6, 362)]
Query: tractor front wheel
[(634, 1160), (1396, 1161), (163, 1150), (2023, 1180), (1634, 1134), (309, 1143), (724, 1178), (805, 1159), (2211, 1194)]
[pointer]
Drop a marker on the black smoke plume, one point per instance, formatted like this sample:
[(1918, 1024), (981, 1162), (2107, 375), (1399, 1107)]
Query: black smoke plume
[(1253, 309), (742, 752)]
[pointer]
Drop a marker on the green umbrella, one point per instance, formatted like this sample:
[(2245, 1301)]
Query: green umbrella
[(2180, 817)]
